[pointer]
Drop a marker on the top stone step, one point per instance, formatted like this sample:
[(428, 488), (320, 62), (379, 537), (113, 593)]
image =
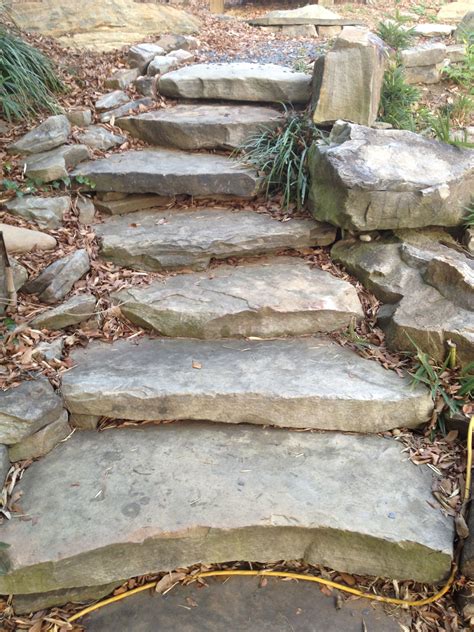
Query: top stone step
[(239, 81)]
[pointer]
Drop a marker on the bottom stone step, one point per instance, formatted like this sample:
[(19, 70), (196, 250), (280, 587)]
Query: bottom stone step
[(104, 506)]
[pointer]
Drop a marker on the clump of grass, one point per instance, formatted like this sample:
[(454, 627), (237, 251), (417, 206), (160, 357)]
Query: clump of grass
[(462, 73), (395, 33), (28, 81), (281, 157), (398, 99), (469, 218)]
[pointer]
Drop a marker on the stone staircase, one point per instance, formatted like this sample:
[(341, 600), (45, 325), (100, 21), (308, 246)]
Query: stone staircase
[(106, 506)]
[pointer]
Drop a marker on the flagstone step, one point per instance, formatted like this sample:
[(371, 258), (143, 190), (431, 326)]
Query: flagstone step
[(170, 172), (237, 81), (298, 383), (199, 126), (143, 500), (172, 239), (281, 296)]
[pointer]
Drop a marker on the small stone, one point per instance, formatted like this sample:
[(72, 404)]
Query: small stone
[(50, 350), (55, 164), (171, 42), (27, 408), (423, 55), (86, 210), (80, 117), (161, 64), (72, 312), (97, 137), (423, 74), (53, 132), (122, 78), (4, 465), (20, 240), (328, 32), (84, 422), (140, 56), (146, 86), (456, 53), (180, 55), (298, 30), (132, 203), (46, 212), (58, 278), (41, 442), (20, 274), (111, 100), (434, 30), (128, 108)]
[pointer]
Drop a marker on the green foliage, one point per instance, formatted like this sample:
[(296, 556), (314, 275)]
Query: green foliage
[(28, 81), (35, 185), (469, 219), (395, 33), (462, 73), (281, 157), (398, 99)]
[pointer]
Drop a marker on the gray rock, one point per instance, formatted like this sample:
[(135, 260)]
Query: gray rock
[(434, 30), (72, 312), (80, 117), (41, 442), (201, 126), (424, 54), (20, 274), (264, 382), (328, 32), (171, 42), (86, 210), (161, 64), (169, 240), (468, 239), (294, 30), (24, 604), (369, 179), (456, 53), (84, 422), (146, 86), (140, 56), (18, 239), (454, 278), (132, 203), (169, 172), (423, 74), (122, 78), (46, 212), (53, 132), (128, 108), (112, 100), (4, 465), (55, 164), (57, 279), (27, 408), (98, 137), (347, 81), (276, 297), (315, 493), (50, 350), (465, 28), (180, 55), (237, 81)]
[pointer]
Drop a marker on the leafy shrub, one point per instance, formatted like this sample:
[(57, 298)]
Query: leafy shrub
[(394, 32), (462, 73), (281, 157), (398, 99)]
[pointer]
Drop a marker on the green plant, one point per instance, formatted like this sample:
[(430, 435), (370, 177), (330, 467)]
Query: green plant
[(28, 81), (281, 157), (395, 33), (398, 99), (469, 219), (441, 125), (462, 73)]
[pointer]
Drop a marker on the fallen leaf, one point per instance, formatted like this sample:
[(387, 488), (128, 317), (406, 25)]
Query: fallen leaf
[(197, 365), (168, 581)]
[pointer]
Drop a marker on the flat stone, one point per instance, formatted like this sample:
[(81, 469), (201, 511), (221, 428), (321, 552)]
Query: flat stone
[(278, 297), (53, 132), (111, 100), (80, 117), (434, 30), (328, 32), (97, 137), (172, 41), (168, 172), (55, 164), (224, 605), (72, 312), (453, 278), (46, 212), (347, 81), (27, 408), (173, 239), (423, 55), (423, 74), (181, 55), (132, 203), (298, 30), (122, 78), (127, 108), (18, 240), (153, 511), (57, 279), (146, 86), (201, 126), (161, 64), (310, 11), (455, 10), (237, 81), (24, 604), (266, 382), (140, 55), (41, 442), (85, 209), (456, 53), (369, 179), (4, 464)]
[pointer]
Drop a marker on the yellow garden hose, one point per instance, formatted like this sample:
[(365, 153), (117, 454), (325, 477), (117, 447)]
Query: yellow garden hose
[(309, 578)]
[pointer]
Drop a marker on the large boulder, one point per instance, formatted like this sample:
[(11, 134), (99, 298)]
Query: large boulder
[(368, 179), (104, 25), (348, 79)]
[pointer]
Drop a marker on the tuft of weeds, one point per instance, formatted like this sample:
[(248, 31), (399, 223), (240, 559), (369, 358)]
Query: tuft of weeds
[(395, 33), (281, 157), (398, 99), (462, 73)]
